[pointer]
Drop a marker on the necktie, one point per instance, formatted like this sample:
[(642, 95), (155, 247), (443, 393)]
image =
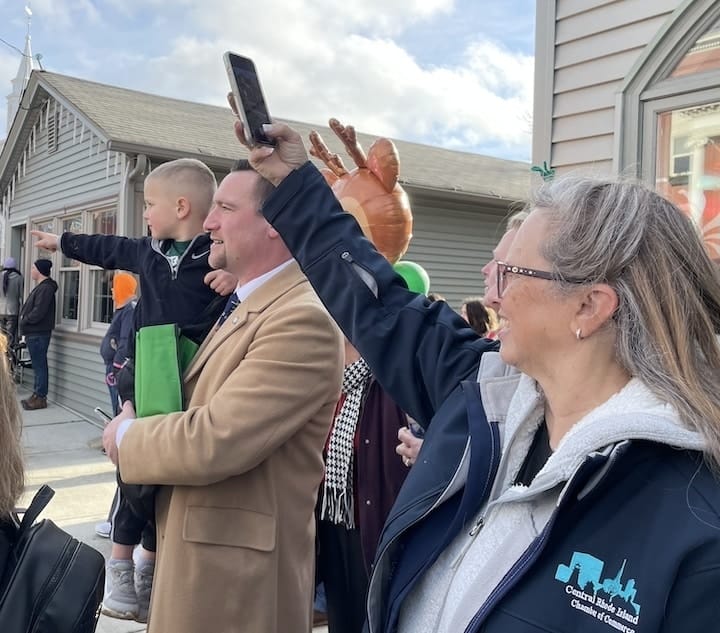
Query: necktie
[(232, 303)]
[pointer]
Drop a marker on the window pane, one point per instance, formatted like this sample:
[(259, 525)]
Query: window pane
[(71, 225), (703, 56), (104, 222), (47, 227), (688, 166), (102, 298), (70, 288)]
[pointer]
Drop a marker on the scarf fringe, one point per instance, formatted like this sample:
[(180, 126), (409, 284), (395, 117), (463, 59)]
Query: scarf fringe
[(338, 507)]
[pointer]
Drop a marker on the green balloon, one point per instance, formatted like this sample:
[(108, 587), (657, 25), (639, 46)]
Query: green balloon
[(415, 276)]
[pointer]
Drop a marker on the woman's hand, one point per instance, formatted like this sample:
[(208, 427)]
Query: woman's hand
[(409, 446), (275, 163)]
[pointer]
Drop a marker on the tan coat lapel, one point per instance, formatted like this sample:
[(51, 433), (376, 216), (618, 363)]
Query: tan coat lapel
[(258, 300)]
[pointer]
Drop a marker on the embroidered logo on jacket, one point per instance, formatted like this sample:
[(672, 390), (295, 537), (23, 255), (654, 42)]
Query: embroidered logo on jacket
[(596, 596)]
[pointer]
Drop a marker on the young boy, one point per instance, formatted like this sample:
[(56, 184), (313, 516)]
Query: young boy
[(178, 286)]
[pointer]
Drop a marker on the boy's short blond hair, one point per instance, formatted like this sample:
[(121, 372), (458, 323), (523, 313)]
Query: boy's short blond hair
[(188, 178)]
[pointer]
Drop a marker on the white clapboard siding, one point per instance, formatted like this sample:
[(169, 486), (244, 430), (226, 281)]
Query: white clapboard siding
[(585, 59), (66, 178), (453, 246)]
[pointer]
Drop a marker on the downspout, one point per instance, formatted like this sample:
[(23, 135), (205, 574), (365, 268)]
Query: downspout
[(127, 208)]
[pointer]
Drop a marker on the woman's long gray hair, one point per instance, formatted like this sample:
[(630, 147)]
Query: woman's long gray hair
[(12, 472), (628, 236)]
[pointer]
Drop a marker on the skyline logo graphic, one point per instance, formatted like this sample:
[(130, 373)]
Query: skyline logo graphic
[(596, 596)]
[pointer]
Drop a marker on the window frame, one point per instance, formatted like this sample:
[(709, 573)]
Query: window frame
[(85, 323), (649, 90)]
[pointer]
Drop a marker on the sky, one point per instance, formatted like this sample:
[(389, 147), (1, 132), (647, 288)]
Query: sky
[(450, 73)]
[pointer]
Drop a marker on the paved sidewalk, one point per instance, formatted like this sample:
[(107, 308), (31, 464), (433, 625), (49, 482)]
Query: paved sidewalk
[(62, 450), (58, 452)]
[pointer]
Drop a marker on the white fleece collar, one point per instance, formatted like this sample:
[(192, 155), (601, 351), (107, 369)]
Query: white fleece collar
[(634, 413)]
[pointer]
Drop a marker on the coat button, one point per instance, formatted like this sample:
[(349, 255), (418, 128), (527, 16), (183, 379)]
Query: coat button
[(368, 502), (367, 441)]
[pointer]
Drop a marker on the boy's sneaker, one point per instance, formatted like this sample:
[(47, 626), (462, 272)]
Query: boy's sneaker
[(144, 571), (120, 599), (103, 529)]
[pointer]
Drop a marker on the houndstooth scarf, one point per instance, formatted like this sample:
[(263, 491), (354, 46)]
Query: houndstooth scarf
[(337, 504)]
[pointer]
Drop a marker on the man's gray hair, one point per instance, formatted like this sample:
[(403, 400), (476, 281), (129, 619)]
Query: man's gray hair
[(514, 222)]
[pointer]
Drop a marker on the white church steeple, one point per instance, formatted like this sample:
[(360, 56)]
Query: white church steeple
[(27, 63)]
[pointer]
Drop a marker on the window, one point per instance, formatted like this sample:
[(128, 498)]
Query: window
[(48, 226), (69, 275), (691, 177), (703, 56), (670, 113), (102, 310), (84, 292), (102, 221)]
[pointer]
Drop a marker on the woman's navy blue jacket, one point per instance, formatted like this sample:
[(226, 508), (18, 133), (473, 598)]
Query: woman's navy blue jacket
[(634, 543)]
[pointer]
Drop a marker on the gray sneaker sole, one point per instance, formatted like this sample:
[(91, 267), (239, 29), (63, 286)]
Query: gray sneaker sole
[(120, 614)]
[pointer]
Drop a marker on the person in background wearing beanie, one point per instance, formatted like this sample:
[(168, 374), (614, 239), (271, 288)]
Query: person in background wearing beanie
[(37, 321), (124, 287), (10, 299)]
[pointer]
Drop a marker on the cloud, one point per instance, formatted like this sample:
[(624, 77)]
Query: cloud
[(318, 59), (325, 65), (63, 14)]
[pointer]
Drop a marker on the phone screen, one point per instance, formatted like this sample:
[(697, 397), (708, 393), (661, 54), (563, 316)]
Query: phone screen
[(251, 97)]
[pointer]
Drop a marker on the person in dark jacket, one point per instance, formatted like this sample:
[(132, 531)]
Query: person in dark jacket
[(114, 343), (37, 321), (567, 483), (11, 299)]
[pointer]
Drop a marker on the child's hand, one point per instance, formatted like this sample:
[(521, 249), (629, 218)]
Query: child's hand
[(48, 241), (221, 282)]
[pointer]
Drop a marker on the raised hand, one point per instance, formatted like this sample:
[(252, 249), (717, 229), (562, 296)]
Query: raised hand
[(273, 163)]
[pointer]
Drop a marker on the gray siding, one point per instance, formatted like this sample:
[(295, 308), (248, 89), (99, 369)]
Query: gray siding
[(70, 177), (595, 45), (453, 245)]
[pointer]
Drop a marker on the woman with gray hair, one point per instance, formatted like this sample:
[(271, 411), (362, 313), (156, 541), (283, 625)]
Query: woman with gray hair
[(568, 482), (12, 466)]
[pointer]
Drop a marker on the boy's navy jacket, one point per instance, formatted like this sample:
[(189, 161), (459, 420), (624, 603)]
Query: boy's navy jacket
[(634, 543), (172, 289)]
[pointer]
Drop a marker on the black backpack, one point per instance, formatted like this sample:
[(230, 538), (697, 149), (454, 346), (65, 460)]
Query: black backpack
[(50, 582)]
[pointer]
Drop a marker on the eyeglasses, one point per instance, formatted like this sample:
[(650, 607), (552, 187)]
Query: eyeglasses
[(503, 270)]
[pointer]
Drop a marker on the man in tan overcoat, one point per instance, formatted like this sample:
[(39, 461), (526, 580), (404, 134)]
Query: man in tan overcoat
[(241, 466)]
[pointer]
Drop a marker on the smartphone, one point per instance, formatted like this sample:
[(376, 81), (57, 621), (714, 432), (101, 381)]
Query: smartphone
[(106, 417), (248, 97)]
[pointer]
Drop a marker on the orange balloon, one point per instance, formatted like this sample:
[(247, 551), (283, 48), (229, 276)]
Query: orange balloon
[(371, 191)]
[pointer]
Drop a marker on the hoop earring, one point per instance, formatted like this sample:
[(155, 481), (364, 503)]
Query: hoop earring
[(578, 334)]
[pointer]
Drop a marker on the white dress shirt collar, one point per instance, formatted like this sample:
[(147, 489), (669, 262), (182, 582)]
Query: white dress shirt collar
[(243, 290)]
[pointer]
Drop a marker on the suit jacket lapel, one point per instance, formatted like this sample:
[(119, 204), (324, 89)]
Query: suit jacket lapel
[(257, 301)]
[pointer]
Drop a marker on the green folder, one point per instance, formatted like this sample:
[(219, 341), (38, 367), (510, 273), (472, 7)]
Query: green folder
[(161, 357)]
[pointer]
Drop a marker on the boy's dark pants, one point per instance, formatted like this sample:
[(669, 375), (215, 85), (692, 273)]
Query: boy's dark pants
[(128, 528)]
